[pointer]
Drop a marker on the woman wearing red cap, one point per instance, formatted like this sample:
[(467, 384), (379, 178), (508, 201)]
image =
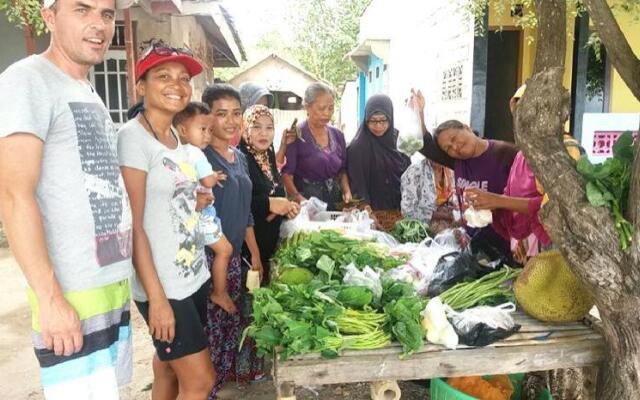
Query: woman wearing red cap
[(170, 286)]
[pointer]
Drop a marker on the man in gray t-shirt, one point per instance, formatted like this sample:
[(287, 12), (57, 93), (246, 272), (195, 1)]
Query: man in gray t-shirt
[(64, 206)]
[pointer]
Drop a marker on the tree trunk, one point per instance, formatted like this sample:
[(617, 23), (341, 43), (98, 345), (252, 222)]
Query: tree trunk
[(619, 378), (585, 235), (29, 40)]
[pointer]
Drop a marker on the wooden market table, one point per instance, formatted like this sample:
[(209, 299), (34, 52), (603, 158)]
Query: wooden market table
[(538, 346)]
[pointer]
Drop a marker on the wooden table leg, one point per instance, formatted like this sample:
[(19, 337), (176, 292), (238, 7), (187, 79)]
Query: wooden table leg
[(385, 390), (285, 391)]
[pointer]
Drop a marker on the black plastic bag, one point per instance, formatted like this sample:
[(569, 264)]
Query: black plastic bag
[(481, 326), (454, 268)]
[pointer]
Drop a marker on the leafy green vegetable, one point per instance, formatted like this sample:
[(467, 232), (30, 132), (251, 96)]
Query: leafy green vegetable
[(393, 290), (410, 230), (307, 249), (403, 318), (327, 265), (481, 291), (304, 318), (608, 184), (355, 296), (295, 276)]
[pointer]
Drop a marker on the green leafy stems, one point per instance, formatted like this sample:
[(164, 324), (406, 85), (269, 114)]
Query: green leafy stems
[(609, 183)]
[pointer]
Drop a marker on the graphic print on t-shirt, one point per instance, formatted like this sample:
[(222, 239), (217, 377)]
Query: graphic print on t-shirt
[(103, 182), (185, 220), (463, 184)]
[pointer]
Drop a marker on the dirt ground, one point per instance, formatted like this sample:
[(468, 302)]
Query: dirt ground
[(21, 379)]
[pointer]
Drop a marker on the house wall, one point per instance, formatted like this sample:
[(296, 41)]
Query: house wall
[(349, 121), (376, 84), (622, 100), (12, 45), (275, 75), (433, 41), (178, 31)]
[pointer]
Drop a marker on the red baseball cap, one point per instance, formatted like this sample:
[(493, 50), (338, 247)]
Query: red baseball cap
[(161, 55)]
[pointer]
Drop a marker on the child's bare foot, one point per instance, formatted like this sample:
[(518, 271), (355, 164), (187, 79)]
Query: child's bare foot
[(224, 301)]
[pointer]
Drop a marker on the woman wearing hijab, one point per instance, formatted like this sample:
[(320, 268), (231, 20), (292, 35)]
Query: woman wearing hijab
[(269, 204), (374, 163)]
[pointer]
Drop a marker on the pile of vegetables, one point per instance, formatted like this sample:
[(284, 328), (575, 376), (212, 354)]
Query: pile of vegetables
[(326, 298), (410, 230), (491, 289), (322, 251), (307, 318), (608, 184)]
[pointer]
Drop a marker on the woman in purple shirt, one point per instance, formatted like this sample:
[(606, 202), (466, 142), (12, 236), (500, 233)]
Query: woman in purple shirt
[(316, 162), (477, 163)]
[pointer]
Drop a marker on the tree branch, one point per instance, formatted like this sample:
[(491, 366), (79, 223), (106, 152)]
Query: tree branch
[(618, 49), (585, 235)]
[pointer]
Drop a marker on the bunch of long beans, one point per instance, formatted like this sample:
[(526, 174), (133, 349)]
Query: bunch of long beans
[(468, 294), (371, 340), (359, 322)]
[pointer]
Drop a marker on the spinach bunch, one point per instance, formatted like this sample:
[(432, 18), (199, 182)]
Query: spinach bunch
[(608, 184), (410, 231), (403, 319)]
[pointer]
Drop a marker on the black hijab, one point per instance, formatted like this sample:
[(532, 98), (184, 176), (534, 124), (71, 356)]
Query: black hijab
[(374, 163)]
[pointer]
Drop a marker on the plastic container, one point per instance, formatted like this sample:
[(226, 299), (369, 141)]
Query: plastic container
[(440, 390)]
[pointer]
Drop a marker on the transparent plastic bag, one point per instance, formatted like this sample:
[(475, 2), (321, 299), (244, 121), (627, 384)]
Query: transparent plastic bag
[(483, 325), (407, 121), (367, 278), (309, 209), (454, 238)]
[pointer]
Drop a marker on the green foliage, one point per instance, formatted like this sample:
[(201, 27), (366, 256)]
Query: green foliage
[(295, 276), (303, 318), (410, 230), (355, 296), (403, 318), (24, 13), (608, 184), (522, 11), (326, 30), (324, 252)]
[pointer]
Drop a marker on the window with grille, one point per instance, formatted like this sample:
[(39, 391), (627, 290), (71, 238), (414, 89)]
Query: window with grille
[(110, 80), (118, 36)]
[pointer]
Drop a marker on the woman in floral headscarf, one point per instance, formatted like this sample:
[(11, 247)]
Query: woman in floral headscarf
[(269, 204)]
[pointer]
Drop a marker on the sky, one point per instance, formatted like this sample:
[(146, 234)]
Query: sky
[(254, 18)]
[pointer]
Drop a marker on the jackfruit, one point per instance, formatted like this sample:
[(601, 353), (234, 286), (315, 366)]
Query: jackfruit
[(548, 290)]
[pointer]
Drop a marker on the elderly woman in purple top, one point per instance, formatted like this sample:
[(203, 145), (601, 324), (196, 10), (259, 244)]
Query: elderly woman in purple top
[(316, 162)]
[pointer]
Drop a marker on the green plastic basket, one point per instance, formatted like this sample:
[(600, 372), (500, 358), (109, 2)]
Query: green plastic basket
[(440, 390)]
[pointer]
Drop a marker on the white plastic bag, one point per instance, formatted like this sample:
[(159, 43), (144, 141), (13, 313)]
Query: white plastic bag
[(407, 122), (483, 325), (421, 264), (437, 326), (367, 278), (309, 209), (478, 218)]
